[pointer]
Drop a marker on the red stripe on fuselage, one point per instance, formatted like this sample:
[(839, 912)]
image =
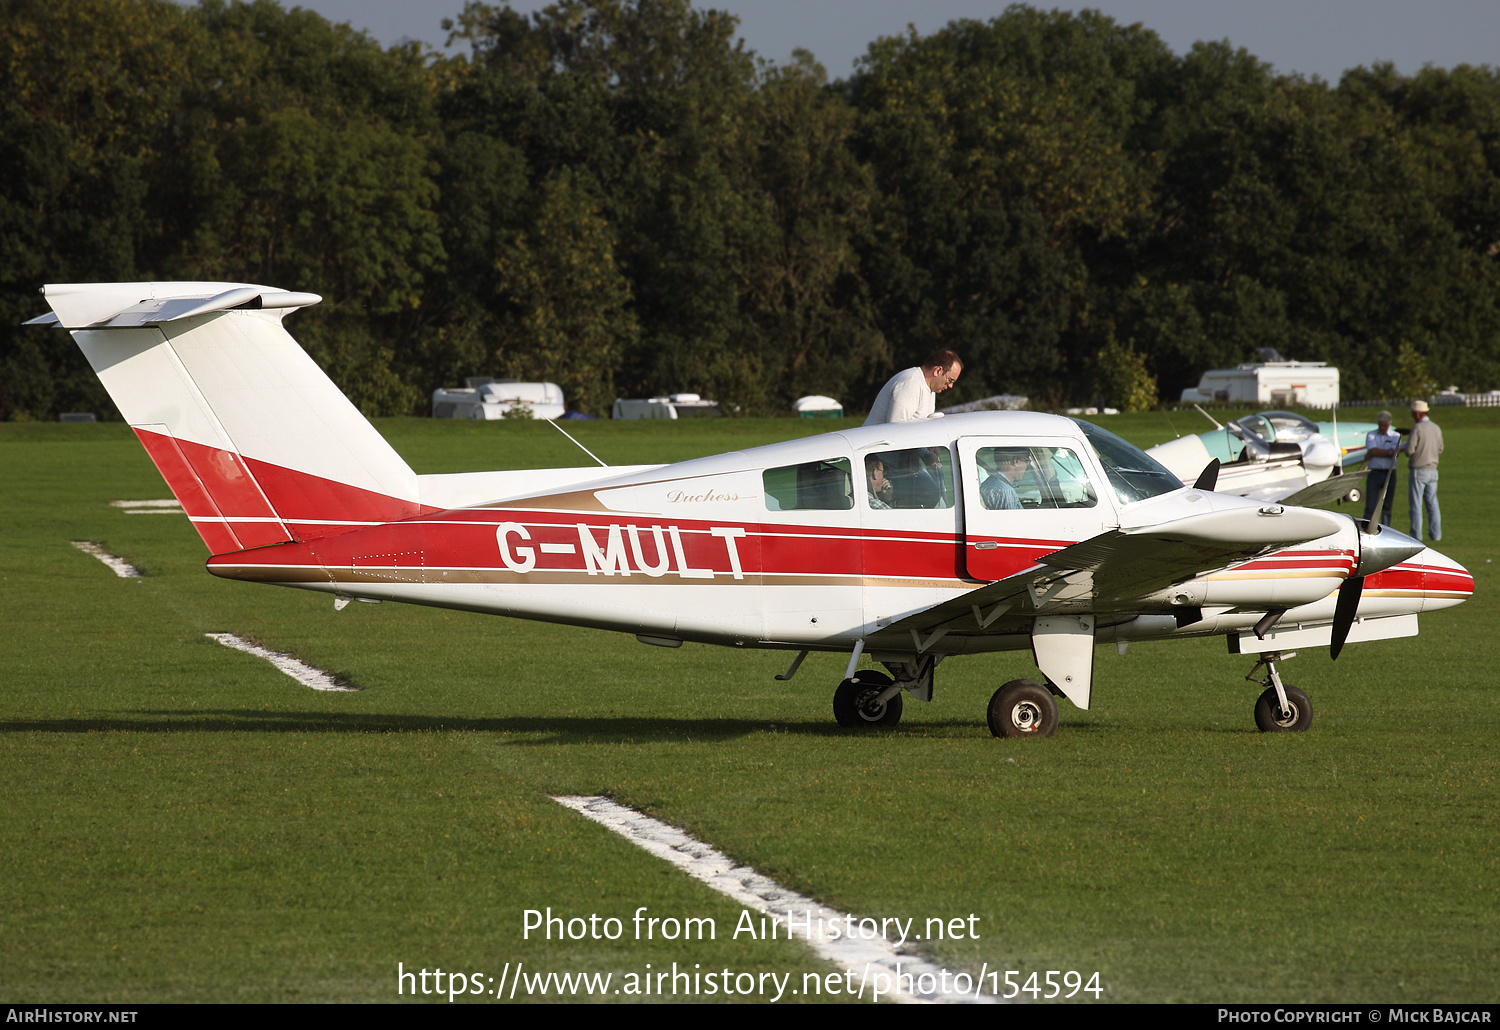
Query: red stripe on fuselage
[(471, 539), (551, 542), (1425, 578)]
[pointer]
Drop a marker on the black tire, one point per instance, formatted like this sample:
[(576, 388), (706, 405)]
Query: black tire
[(855, 704), (1023, 708), (1268, 711)]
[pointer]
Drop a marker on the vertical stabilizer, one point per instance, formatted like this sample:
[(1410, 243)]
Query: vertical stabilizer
[(254, 439)]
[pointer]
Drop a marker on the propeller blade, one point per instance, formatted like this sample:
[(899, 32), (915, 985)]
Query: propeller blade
[(1372, 524), (1209, 477), (1344, 611)]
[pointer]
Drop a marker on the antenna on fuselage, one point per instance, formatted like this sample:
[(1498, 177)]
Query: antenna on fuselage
[(580, 446)]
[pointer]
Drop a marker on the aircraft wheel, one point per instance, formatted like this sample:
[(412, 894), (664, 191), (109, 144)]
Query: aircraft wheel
[(1268, 714), (1023, 708), (1355, 495), (855, 702)]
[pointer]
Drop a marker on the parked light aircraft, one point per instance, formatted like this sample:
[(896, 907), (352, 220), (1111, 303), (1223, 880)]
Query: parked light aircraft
[(1087, 541), (1275, 456)]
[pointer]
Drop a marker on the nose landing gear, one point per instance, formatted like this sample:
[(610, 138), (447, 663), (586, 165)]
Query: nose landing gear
[(1282, 708)]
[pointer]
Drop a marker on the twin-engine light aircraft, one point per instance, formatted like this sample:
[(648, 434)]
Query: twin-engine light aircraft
[(904, 544), (1275, 456)]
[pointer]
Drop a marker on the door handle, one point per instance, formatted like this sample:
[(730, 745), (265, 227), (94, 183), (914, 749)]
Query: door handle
[(986, 545)]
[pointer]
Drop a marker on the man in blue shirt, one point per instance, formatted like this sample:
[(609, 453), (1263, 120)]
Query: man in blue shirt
[(998, 492), (1381, 446)]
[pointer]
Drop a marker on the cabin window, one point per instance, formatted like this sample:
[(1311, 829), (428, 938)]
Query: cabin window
[(919, 477), (1032, 477), (813, 486)]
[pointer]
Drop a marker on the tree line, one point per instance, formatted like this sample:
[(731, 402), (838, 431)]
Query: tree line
[(615, 195)]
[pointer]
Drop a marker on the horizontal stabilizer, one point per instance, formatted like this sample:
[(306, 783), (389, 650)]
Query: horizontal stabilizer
[(132, 305)]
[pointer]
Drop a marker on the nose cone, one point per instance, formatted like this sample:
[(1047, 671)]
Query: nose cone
[(1426, 582), (1380, 550), (1444, 581)]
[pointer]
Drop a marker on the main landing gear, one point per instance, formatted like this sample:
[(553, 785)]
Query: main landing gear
[(870, 698), (867, 699), (1023, 708), (1282, 708)]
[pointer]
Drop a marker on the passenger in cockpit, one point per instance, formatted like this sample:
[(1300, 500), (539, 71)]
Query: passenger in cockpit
[(879, 489)]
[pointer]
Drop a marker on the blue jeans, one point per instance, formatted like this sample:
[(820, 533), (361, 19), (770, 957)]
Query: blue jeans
[(1423, 493), (1373, 484)]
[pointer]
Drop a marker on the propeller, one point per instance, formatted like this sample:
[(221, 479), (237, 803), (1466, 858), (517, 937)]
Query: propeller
[(1209, 477), (1344, 611), (1380, 547), (1372, 524)]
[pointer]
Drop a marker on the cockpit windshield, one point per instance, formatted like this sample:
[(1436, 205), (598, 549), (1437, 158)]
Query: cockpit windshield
[(1274, 427), (1133, 474), (1289, 426)]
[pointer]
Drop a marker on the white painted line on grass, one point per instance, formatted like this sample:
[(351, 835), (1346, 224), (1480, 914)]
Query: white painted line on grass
[(902, 975), (165, 507), (122, 568), (299, 671)]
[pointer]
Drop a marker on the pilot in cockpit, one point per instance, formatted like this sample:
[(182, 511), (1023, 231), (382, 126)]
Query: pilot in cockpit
[(998, 492)]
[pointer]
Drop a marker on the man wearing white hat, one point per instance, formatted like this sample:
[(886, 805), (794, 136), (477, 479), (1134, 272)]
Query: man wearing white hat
[(1382, 445), (1422, 448)]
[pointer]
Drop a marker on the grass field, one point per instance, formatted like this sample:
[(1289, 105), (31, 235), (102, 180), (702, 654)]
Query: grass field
[(181, 822)]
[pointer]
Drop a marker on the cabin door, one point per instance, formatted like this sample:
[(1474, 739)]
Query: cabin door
[(1023, 498)]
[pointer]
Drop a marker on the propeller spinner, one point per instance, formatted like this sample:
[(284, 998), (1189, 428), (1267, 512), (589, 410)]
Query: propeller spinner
[(1380, 547)]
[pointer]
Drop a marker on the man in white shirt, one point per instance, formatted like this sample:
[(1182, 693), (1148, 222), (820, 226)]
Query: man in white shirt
[(1381, 447), (910, 395)]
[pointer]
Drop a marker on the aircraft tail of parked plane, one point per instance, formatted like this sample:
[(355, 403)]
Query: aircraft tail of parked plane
[(257, 443), (905, 544)]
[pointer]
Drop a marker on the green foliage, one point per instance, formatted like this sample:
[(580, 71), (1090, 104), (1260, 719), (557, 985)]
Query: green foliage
[(1123, 380), (572, 319), (615, 195), (999, 154), (1409, 376)]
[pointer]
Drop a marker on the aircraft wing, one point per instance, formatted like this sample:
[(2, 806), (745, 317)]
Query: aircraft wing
[(1329, 490), (1116, 571)]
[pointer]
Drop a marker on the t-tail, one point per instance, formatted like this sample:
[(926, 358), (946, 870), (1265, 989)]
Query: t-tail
[(256, 442)]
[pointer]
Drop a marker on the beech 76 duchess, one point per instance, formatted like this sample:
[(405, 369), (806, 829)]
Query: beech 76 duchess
[(901, 544)]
